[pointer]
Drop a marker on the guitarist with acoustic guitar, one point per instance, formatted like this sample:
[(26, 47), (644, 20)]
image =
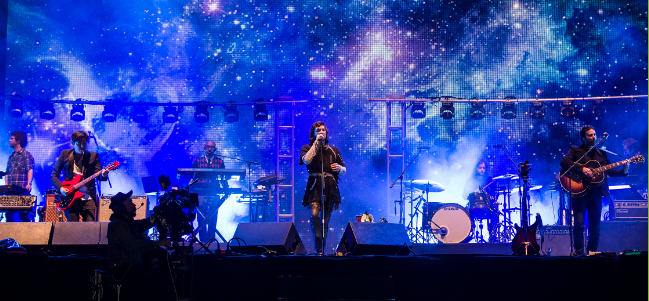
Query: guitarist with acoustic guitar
[(587, 183), (78, 162)]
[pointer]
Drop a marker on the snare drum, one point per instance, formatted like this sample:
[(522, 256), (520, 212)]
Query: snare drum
[(479, 205), (450, 223)]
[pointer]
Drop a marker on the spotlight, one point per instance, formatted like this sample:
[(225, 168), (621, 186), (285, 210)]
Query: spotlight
[(567, 109), (447, 111), (201, 115), (261, 112), (418, 110), (170, 115), (47, 110), (139, 115), (537, 111), (231, 114), (509, 110), (598, 108), (477, 110), (16, 108), (77, 113), (110, 112)]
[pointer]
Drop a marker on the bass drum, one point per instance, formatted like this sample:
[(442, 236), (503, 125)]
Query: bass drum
[(450, 223)]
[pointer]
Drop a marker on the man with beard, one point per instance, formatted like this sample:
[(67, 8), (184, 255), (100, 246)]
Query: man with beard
[(209, 202), (591, 200), (479, 198)]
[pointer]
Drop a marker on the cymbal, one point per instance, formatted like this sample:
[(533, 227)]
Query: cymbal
[(432, 185), (536, 187), (506, 177)]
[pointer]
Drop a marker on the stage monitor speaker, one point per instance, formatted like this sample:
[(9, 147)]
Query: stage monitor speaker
[(374, 239), (27, 234), (620, 236), (281, 238), (141, 203), (76, 233)]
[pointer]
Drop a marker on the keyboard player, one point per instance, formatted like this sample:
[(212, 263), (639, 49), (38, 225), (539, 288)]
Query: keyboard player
[(209, 201), (20, 171)]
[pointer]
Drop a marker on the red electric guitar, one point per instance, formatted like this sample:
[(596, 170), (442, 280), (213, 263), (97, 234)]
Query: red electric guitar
[(66, 201), (579, 183)]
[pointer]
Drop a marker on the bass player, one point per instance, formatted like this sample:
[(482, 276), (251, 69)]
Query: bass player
[(77, 161), (591, 199)]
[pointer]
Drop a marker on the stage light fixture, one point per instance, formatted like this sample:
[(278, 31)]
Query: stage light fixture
[(567, 109), (509, 109), (537, 111), (477, 111), (16, 108), (231, 114), (418, 110), (170, 115), (598, 108), (110, 112), (201, 115), (139, 115), (47, 110), (261, 112), (77, 113), (447, 111)]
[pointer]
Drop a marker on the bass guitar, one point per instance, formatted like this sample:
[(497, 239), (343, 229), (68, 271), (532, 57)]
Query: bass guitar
[(577, 183), (64, 202)]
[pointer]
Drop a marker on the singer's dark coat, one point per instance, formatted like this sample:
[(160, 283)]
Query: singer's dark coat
[(576, 152), (90, 163), (313, 187)]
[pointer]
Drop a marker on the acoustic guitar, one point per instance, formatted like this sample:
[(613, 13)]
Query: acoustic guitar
[(577, 183), (64, 202)]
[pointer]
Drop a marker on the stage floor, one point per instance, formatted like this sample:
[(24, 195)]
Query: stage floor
[(30, 276)]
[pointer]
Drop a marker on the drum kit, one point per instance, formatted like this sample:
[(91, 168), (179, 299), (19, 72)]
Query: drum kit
[(453, 223)]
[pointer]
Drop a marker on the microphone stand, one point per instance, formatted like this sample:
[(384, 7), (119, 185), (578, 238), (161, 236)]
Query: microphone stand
[(323, 197), (604, 137), (402, 219), (249, 183)]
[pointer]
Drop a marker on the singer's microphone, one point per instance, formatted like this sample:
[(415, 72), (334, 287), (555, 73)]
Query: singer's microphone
[(424, 147), (498, 145), (605, 135)]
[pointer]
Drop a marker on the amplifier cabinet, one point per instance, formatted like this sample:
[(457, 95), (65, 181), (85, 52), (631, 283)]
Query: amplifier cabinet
[(141, 203), (52, 213), (626, 210)]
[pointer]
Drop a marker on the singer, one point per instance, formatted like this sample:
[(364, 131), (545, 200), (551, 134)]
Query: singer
[(323, 161), (591, 200)]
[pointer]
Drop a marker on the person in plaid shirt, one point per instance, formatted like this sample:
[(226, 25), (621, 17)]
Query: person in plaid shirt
[(209, 203), (20, 171)]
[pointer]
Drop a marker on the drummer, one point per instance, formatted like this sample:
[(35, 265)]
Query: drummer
[(475, 190), (478, 179)]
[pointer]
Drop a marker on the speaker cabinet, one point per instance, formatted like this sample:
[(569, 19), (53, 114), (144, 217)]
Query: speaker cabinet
[(374, 239), (86, 233), (141, 203), (555, 240), (32, 236), (281, 238)]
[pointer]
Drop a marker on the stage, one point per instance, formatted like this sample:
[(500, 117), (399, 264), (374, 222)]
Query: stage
[(31, 276)]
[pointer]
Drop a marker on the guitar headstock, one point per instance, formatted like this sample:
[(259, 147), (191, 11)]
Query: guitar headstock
[(637, 159), (112, 166)]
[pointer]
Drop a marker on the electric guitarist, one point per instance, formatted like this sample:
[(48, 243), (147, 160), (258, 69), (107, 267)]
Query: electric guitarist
[(590, 201), (78, 161)]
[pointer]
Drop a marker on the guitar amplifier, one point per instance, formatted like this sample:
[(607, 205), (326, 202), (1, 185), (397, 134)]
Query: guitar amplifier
[(630, 209), (556, 240), (52, 213), (141, 203)]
